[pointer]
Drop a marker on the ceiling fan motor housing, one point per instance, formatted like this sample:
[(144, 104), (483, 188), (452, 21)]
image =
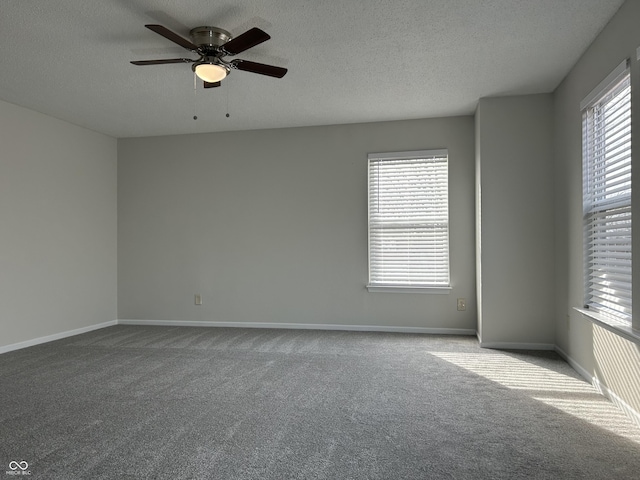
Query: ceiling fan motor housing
[(209, 37)]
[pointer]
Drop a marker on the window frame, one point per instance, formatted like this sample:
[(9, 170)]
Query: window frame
[(598, 213), (373, 286)]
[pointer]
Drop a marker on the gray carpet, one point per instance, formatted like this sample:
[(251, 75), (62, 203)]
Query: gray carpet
[(165, 402)]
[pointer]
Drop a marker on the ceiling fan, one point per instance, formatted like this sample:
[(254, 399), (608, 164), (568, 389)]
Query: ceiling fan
[(212, 44)]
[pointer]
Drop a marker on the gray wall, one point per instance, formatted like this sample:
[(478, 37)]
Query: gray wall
[(478, 223), (607, 357), (271, 226), (58, 214), (514, 186)]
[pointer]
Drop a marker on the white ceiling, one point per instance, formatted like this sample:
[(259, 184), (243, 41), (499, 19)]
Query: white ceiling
[(349, 61)]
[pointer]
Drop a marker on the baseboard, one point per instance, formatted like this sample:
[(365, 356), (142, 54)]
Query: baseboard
[(617, 401), (517, 346), (575, 365), (302, 326), (600, 387), (55, 336)]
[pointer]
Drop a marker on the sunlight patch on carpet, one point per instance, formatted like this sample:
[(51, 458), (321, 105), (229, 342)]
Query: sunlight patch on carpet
[(571, 395)]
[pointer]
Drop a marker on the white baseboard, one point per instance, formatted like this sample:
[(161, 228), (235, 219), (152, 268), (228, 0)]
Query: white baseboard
[(517, 346), (575, 365), (302, 326), (55, 336), (600, 387), (617, 401)]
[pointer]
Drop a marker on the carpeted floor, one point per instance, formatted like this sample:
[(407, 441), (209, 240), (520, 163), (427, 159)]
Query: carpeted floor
[(180, 402)]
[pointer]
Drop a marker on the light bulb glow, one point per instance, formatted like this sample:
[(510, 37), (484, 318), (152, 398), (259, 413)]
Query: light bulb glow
[(211, 73)]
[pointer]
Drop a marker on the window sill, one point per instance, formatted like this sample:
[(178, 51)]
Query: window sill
[(619, 328), (408, 289)]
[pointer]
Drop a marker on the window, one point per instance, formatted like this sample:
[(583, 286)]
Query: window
[(409, 221), (606, 178)]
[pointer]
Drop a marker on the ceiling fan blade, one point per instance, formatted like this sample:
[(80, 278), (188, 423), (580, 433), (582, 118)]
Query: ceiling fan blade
[(162, 62), (261, 68), (245, 41), (211, 85), (174, 37)]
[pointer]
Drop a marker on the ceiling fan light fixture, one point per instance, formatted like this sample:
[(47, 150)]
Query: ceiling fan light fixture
[(210, 72)]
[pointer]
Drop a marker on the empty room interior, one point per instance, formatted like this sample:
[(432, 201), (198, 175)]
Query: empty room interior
[(273, 239)]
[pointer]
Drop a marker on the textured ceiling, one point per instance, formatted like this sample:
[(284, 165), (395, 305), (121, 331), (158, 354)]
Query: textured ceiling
[(349, 61)]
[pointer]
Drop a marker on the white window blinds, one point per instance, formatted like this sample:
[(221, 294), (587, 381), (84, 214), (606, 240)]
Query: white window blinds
[(606, 136), (409, 219)]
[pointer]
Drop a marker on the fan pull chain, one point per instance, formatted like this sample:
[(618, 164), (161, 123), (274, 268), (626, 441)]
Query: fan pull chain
[(195, 91), (227, 89)]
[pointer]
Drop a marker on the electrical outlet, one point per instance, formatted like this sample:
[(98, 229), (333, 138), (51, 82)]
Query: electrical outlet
[(462, 304), (198, 299)]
